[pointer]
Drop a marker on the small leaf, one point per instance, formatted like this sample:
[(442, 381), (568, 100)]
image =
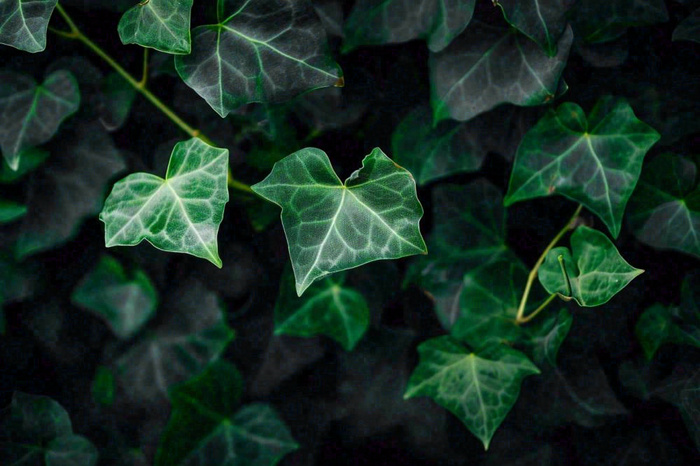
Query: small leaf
[(595, 21), (11, 211), (591, 273), (180, 213), (332, 226), (689, 28), (119, 96), (30, 114), (160, 24), (594, 161), (545, 336), (480, 389), (24, 23)]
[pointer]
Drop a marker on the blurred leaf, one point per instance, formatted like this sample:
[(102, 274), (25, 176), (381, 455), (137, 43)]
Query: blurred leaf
[(689, 28), (333, 226), (478, 388), (118, 97), (544, 337), (11, 211), (594, 161), (103, 386), (597, 21), (29, 161), (30, 114), (331, 14), (24, 23), (160, 24), (488, 66)]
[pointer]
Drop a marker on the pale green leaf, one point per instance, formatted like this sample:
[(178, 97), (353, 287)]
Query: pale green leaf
[(332, 226), (597, 21), (545, 335), (180, 213), (23, 23), (689, 28), (160, 24), (11, 211)]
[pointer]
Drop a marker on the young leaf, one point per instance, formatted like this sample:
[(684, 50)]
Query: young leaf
[(258, 51), (11, 211), (24, 23), (689, 28), (180, 213), (594, 161), (479, 388), (395, 21), (596, 21), (591, 273), (488, 66), (30, 114), (328, 308), (544, 337), (160, 24), (332, 226)]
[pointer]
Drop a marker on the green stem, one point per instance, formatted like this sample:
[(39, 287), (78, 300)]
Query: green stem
[(532, 315), (144, 73)]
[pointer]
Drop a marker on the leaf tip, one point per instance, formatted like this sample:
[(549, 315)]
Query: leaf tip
[(340, 82)]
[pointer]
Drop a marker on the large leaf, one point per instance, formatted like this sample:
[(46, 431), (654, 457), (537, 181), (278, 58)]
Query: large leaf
[(591, 273), (160, 24), (180, 213), (333, 226), (665, 208), (595, 161), (395, 21), (689, 28), (487, 66), (23, 23), (479, 388), (258, 51), (595, 21), (30, 114)]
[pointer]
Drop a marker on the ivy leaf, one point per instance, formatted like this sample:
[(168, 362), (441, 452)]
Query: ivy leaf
[(125, 301), (180, 213), (11, 211), (332, 226), (30, 114), (24, 23), (594, 161), (596, 21), (395, 21), (488, 66), (689, 28), (329, 308), (591, 273), (160, 24), (665, 208), (29, 161), (479, 388), (118, 96), (545, 335), (258, 51)]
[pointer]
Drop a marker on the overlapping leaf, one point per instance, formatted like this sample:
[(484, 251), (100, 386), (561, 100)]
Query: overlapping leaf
[(30, 114), (595, 21), (23, 23), (332, 226), (689, 28), (595, 161), (160, 24), (258, 51), (544, 336), (488, 66), (180, 213), (591, 273)]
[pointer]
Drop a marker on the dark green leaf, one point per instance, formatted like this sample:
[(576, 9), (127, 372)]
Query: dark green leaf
[(594, 161), (160, 24), (103, 386), (29, 161), (119, 96), (544, 337), (11, 211), (24, 23), (602, 21), (689, 28), (333, 226), (480, 389), (71, 450), (591, 273)]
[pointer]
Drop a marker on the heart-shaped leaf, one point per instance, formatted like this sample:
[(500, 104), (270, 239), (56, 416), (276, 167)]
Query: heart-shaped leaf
[(689, 28), (487, 66), (258, 51), (545, 335), (591, 273), (24, 23), (595, 161), (332, 226), (180, 213), (30, 114), (595, 21), (479, 388), (395, 21), (160, 24)]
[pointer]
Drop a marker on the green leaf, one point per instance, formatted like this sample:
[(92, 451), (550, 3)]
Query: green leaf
[(103, 386), (29, 161), (595, 21), (30, 114), (160, 24), (180, 213), (591, 273), (545, 335), (71, 450), (119, 97), (258, 51), (665, 208), (126, 301), (488, 66), (11, 211), (327, 308), (689, 28), (332, 226), (479, 388), (395, 21), (594, 161), (24, 23)]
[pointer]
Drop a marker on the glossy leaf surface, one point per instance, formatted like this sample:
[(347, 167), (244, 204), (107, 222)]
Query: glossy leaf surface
[(258, 51), (595, 161), (596, 21), (689, 28), (24, 23), (30, 114), (160, 24), (488, 66), (180, 213), (479, 388), (592, 272), (11, 211), (332, 226), (544, 336)]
